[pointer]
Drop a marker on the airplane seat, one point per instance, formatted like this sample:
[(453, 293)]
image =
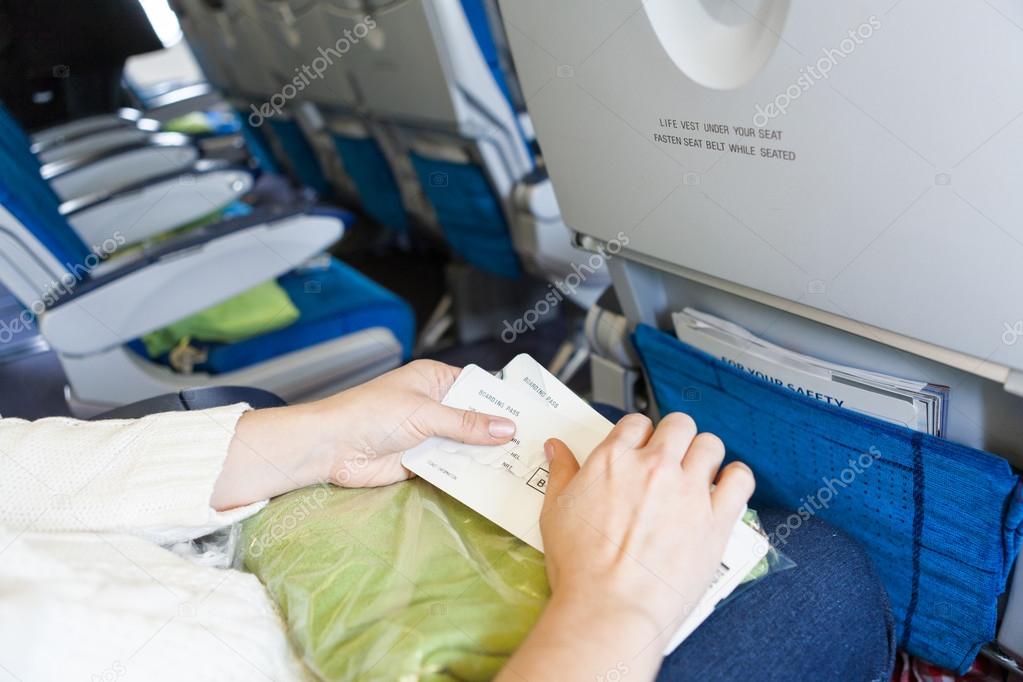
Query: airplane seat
[(332, 299), (257, 144), (370, 173), (220, 35), (131, 125), (434, 73), (468, 210), (259, 79), (311, 133), (96, 159), (830, 213), (297, 153), (86, 182), (458, 155), (325, 117), (127, 188), (92, 308), (202, 33)]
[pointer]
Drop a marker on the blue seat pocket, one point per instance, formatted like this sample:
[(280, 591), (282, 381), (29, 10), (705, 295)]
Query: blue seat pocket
[(941, 521)]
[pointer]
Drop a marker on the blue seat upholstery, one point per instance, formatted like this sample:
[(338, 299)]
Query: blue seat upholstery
[(15, 141), (257, 145), (470, 214), (332, 302), (300, 153), (479, 22), (469, 210), (29, 198), (369, 170)]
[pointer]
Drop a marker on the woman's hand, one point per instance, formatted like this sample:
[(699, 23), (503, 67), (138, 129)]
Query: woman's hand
[(354, 439), (632, 541), (372, 425)]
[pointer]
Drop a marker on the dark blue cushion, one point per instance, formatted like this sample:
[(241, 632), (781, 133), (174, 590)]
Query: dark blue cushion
[(369, 170), (469, 213), (941, 521), (332, 302), (300, 153)]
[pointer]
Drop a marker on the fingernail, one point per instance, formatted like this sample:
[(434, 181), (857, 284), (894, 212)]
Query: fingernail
[(548, 450), (501, 428)]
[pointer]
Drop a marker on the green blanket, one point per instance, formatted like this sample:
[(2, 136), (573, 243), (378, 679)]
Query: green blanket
[(259, 310), (396, 583)]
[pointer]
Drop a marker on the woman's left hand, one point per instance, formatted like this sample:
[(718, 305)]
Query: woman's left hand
[(353, 439), (372, 425)]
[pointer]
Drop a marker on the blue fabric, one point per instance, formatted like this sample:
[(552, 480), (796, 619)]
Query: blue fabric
[(479, 22), (826, 619), (476, 13), (15, 141), (469, 213), (9, 125), (941, 521), (29, 198), (368, 168), (236, 209), (332, 302), (222, 122), (300, 153), (257, 145)]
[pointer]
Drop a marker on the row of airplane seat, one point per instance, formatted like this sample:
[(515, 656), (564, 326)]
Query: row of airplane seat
[(406, 115), (407, 108), (104, 274)]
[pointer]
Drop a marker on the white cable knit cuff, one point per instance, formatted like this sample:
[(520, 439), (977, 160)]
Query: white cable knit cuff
[(180, 457)]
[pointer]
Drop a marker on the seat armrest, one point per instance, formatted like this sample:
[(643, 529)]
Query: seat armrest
[(181, 101), (129, 167), (547, 244), (534, 194), (195, 399), (57, 169), (63, 133), (76, 206), (183, 276), (140, 211)]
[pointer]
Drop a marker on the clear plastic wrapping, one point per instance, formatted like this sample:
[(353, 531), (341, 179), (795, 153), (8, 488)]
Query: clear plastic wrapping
[(401, 582)]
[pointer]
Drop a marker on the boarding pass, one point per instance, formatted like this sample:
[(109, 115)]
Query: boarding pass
[(507, 483)]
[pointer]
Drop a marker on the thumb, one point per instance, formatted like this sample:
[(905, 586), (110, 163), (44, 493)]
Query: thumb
[(563, 468), (466, 426)]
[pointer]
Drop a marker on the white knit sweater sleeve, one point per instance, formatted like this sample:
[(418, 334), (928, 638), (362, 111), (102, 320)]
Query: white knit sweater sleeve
[(151, 477)]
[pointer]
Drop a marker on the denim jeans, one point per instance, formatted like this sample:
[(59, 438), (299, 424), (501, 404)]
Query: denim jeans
[(826, 619)]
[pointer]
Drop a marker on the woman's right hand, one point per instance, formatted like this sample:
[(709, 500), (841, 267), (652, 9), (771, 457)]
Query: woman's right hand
[(632, 541)]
